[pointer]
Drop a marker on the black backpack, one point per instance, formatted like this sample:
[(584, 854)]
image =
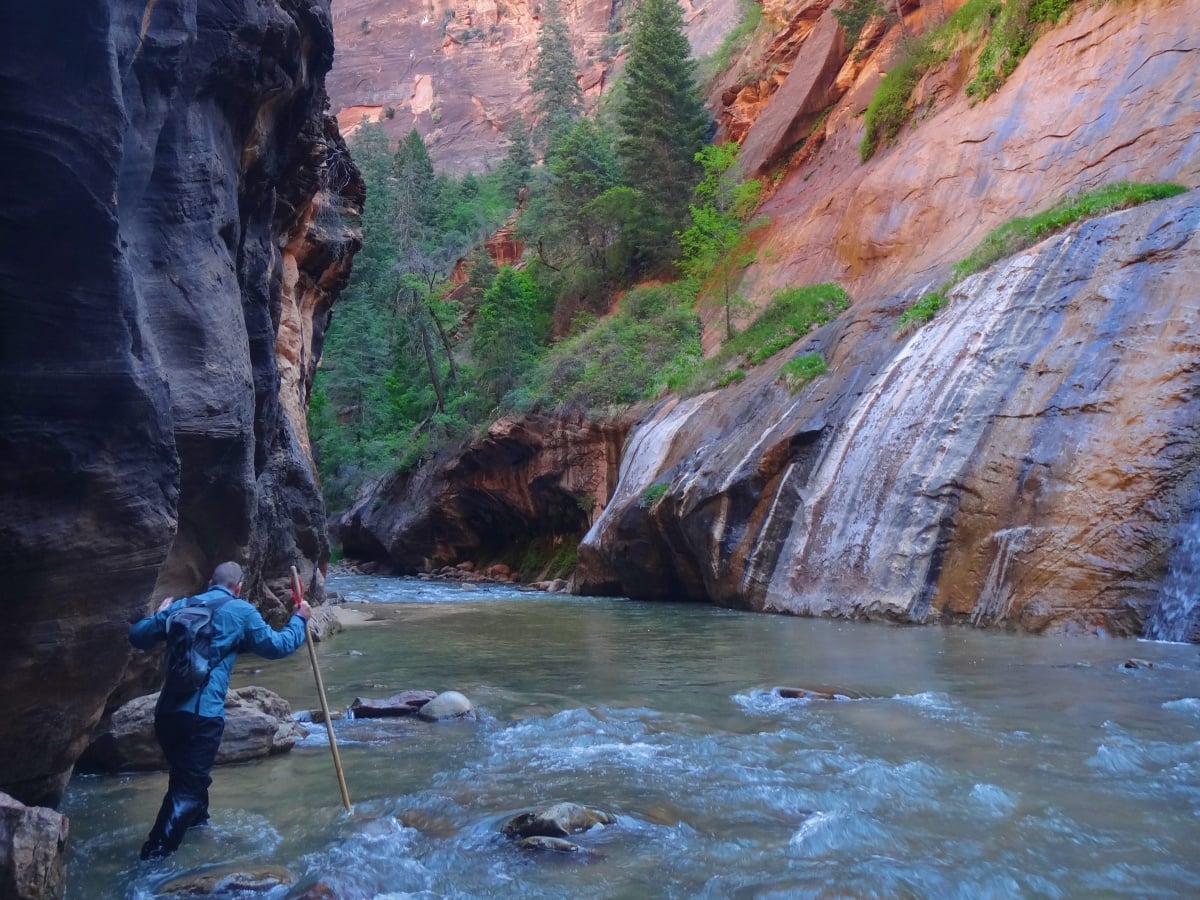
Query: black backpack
[(189, 645)]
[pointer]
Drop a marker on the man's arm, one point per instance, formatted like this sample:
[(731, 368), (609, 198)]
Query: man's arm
[(145, 633), (259, 637)]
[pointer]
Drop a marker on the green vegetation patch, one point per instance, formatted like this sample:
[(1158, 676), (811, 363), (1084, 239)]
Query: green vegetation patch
[(798, 372), (792, 313), (733, 43), (922, 311), (1011, 27), (1025, 231), (632, 355), (654, 493), (547, 557)]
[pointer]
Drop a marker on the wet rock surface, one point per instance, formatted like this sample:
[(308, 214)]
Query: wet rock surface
[(258, 723), (1020, 461), (818, 693), (33, 841), (227, 881), (559, 820), (405, 703)]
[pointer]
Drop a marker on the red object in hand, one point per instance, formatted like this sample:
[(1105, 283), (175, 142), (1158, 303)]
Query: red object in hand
[(297, 588)]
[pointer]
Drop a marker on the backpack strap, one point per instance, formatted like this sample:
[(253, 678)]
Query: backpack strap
[(212, 606)]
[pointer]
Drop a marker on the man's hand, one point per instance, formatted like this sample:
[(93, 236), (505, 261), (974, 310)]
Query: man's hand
[(304, 610), (167, 602)]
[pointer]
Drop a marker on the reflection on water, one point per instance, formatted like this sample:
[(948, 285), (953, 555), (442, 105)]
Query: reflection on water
[(976, 764)]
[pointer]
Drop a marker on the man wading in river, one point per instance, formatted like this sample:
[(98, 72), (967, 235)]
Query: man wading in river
[(188, 721)]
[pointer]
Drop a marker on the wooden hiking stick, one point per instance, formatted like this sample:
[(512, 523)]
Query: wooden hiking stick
[(297, 596)]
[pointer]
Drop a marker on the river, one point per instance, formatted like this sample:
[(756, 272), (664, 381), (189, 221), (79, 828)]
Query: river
[(978, 764)]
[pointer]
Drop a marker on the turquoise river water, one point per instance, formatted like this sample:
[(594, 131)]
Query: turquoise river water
[(976, 765)]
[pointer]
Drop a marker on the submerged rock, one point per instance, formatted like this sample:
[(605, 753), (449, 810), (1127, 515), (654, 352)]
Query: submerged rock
[(405, 703), (447, 705), (227, 881), (1136, 663), (541, 842), (257, 723), (33, 842), (559, 820), (818, 693)]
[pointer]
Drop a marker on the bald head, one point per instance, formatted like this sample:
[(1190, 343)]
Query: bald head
[(228, 574)]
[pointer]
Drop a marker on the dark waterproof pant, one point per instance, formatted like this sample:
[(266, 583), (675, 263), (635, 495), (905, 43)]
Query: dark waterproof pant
[(189, 742)]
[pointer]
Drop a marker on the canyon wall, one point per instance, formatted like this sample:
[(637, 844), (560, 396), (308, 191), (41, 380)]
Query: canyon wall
[(458, 70), (173, 234), (528, 481), (1024, 460)]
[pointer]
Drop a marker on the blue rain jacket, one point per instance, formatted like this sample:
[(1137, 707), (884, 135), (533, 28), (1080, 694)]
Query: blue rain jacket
[(237, 628)]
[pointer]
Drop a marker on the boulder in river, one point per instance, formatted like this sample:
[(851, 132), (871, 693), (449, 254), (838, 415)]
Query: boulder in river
[(33, 842), (405, 703), (257, 724), (556, 821), (447, 705)]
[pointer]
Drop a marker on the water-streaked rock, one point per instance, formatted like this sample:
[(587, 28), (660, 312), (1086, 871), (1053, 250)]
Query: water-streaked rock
[(1020, 461)]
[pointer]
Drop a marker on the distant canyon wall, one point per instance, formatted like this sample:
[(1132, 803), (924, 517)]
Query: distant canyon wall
[(174, 233), (458, 70)]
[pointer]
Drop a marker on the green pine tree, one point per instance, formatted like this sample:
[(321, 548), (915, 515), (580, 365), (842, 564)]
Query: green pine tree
[(416, 188), (558, 99), (517, 167), (663, 125)]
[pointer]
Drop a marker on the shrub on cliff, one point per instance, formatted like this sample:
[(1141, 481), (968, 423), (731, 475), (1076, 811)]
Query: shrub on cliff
[(632, 355), (1010, 26), (791, 314)]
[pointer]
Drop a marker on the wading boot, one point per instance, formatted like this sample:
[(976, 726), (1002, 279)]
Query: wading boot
[(175, 816)]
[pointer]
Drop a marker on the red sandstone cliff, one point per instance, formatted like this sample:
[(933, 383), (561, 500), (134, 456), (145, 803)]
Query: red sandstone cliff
[(458, 70)]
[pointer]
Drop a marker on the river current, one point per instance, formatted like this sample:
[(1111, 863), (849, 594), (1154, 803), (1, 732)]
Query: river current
[(974, 764)]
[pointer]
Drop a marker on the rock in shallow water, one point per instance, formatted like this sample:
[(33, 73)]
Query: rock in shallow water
[(405, 703), (257, 724), (557, 821), (32, 851), (447, 705), (817, 693), (227, 881)]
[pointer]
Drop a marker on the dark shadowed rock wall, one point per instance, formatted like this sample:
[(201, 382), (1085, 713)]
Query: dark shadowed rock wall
[(173, 192), (528, 479)]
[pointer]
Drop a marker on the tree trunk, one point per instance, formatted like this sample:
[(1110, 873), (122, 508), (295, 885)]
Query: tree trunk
[(437, 323), (433, 375)]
